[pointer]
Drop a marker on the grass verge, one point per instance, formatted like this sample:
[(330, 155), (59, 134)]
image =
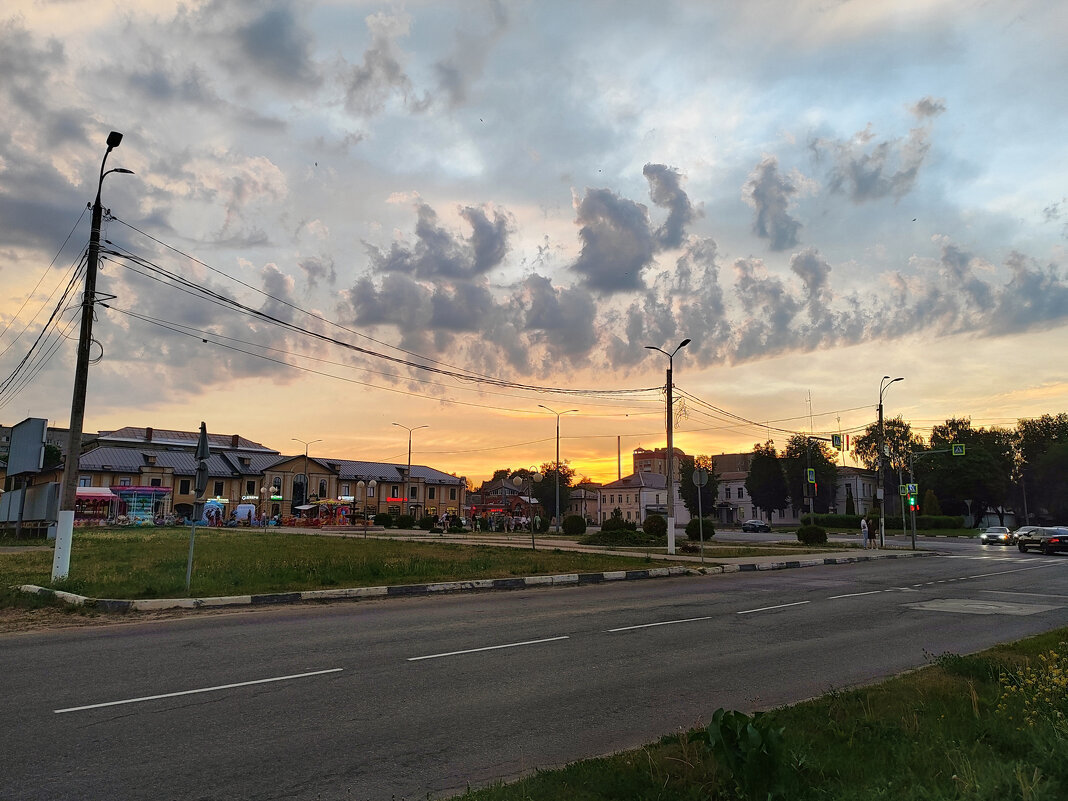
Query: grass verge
[(989, 727), (151, 563)]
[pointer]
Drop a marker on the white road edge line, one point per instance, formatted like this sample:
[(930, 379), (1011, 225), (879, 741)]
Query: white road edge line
[(855, 594), (200, 690), (487, 648), (767, 608), (663, 623)]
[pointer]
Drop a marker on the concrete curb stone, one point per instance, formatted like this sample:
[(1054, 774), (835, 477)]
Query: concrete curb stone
[(413, 590)]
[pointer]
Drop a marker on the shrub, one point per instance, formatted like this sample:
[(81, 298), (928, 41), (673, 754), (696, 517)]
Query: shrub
[(848, 522), (753, 753), (655, 525), (574, 525), (812, 535), (623, 537), (456, 528), (405, 521), (383, 519), (618, 524), (696, 526), (427, 522)]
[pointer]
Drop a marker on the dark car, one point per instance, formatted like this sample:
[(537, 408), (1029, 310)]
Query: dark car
[(755, 525), (1021, 531), (996, 535), (1047, 539)]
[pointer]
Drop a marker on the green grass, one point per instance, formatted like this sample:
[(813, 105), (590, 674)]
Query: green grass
[(151, 563), (988, 727)]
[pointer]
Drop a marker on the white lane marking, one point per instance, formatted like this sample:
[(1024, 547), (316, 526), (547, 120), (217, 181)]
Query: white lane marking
[(487, 648), (855, 594), (662, 623), (768, 608), (200, 690), (1038, 594)]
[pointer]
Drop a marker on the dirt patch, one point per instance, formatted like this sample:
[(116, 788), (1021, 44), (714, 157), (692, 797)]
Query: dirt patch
[(52, 618)]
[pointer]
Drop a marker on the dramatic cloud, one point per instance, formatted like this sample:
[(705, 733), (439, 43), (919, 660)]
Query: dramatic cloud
[(770, 193), (279, 47), (381, 75), (441, 254), (867, 169), (666, 191), (616, 242)]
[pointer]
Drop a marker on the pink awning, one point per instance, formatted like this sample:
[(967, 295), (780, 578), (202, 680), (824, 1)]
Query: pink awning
[(96, 493)]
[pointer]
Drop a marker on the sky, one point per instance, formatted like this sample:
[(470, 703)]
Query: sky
[(349, 215)]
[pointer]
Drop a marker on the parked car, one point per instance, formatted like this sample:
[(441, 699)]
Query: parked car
[(1021, 531), (996, 535), (1046, 539), (755, 525)]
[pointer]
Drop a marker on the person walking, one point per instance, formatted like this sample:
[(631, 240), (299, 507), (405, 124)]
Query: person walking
[(864, 531)]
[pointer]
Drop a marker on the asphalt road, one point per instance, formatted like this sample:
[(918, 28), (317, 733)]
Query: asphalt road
[(404, 698)]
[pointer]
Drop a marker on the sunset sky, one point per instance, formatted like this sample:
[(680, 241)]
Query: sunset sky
[(520, 196)]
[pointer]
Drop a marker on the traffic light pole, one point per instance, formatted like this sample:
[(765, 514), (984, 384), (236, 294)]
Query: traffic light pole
[(912, 480)]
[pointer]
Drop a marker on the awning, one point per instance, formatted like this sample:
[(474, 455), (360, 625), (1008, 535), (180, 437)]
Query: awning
[(307, 506), (96, 493)]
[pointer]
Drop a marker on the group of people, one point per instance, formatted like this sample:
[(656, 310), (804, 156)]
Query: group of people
[(868, 535)]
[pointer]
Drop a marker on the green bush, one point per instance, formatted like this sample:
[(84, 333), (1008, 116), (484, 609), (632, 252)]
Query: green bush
[(383, 519), (427, 522), (848, 522), (753, 753), (618, 524), (405, 521), (708, 526), (812, 535), (456, 528), (852, 522), (574, 525), (655, 525), (623, 537)]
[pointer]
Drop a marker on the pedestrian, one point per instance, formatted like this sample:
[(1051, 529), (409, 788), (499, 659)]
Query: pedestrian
[(864, 530)]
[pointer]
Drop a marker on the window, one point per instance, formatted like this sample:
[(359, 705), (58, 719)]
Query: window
[(322, 488), (156, 482), (183, 486), (250, 487), (413, 492), (452, 493), (430, 493), (370, 491), (276, 482), (124, 482), (218, 489), (345, 489), (741, 492), (393, 491), (84, 481), (727, 493)]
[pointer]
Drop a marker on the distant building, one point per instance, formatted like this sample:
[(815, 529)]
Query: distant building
[(639, 495)]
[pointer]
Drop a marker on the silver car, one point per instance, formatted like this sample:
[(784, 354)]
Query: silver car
[(996, 535)]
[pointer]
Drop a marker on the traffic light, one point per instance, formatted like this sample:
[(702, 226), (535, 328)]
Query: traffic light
[(914, 504)]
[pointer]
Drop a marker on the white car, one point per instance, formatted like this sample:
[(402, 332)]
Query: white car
[(996, 535)]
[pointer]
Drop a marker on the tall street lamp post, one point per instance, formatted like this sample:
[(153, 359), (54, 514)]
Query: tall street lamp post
[(307, 478), (569, 411), (880, 490), (69, 490), (408, 475), (670, 447)]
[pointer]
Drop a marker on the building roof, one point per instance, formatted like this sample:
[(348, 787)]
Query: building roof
[(639, 480), (162, 438), (113, 459)]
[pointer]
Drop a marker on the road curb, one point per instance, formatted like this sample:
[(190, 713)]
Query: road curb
[(438, 588)]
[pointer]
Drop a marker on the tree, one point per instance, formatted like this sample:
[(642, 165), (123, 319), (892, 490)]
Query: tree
[(545, 490), (931, 506), (801, 454), (1037, 489), (766, 484), (688, 490), (901, 442), (972, 483), (53, 456)]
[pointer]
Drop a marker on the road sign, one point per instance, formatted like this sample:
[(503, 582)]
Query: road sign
[(836, 441), (913, 488), (811, 472), (902, 489), (957, 449), (700, 476)]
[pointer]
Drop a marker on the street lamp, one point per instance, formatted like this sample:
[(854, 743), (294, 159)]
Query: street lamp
[(363, 487), (408, 475), (884, 385), (518, 481), (307, 478), (670, 447), (546, 408), (265, 496), (69, 493)]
